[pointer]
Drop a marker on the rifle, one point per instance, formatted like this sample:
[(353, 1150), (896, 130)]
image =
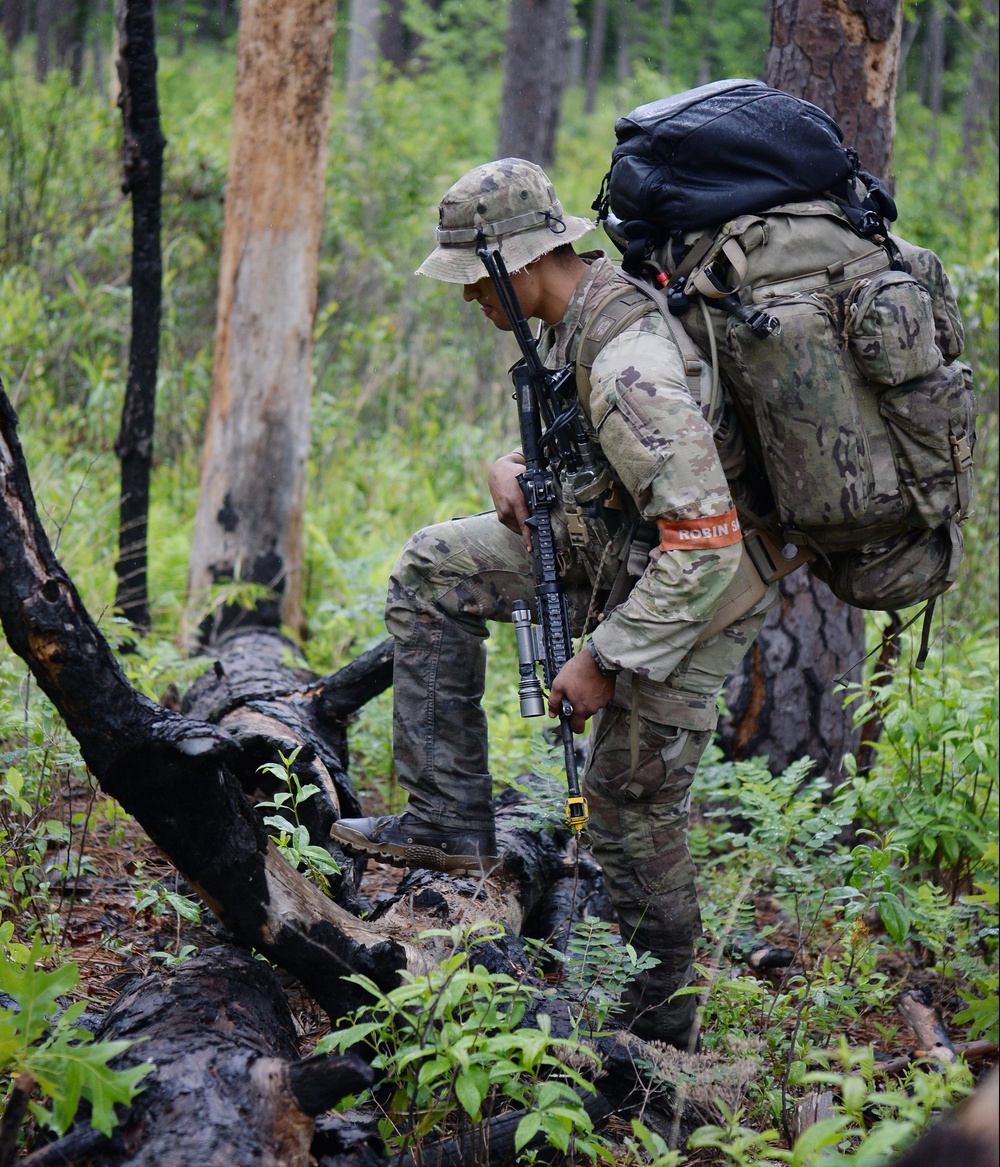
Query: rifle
[(542, 396)]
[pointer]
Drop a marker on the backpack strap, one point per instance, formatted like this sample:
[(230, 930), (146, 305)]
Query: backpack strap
[(618, 310)]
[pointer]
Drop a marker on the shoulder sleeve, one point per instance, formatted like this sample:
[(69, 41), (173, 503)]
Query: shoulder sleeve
[(652, 432)]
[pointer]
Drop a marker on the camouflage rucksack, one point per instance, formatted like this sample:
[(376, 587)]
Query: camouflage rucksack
[(835, 358)]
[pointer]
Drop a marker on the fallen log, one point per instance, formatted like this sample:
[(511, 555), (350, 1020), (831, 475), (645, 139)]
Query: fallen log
[(924, 1018), (228, 1086)]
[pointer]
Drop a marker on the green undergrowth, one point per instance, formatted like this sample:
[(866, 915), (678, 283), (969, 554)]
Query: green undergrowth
[(894, 873)]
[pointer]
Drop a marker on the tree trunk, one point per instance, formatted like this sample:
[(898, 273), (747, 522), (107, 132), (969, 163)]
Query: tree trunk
[(43, 38), (979, 120), (362, 48), (843, 57), (534, 73), (249, 520), (392, 36), (71, 30), (782, 700), (667, 24), (143, 171), (228, 1087), (11, 21), (595, 53), (934, 60), (186, 783)]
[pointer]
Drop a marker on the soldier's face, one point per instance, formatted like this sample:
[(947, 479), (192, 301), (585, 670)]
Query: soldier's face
[(484, 294)]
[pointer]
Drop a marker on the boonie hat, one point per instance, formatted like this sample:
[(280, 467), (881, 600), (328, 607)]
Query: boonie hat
[(510, 202)]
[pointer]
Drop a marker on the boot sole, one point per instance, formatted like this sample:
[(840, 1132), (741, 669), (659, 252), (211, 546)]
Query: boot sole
[(413, 854)]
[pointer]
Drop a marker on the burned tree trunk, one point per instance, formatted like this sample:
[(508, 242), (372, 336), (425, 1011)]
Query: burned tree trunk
[(143, 169), (228, 1086)]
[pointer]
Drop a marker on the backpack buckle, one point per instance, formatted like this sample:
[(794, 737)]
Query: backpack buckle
[(961, 451)]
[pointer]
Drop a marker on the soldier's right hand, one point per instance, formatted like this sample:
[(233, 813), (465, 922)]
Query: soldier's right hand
[(508, 498)]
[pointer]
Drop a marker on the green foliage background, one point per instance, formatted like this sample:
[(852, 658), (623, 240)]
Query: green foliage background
[(411, 405)]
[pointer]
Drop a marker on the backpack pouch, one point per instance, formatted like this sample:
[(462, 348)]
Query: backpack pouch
[(932, 429), (925, 267), (805, 404), (889, 328), (907, 568)]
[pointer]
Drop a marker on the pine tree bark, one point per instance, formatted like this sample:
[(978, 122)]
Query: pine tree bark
[(784, 699), (249, 520), (143, 172), (842, 55), (534, 73)]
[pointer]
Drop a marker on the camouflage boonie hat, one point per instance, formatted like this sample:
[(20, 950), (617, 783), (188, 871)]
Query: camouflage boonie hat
[(514, 205)]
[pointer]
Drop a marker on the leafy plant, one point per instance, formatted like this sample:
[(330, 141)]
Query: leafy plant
[(291, 837), (595, 968), (43, 1039), (452, 1043)]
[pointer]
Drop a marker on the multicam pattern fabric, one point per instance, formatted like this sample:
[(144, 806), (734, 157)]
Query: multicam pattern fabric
[(451, 579), (653, 435), (865, 416), (513, 203)]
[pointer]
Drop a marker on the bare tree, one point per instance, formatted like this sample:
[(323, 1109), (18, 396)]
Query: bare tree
[(534, 72), (362, 47), (595, 53), (784, 700), (143, 169), (249, 521)]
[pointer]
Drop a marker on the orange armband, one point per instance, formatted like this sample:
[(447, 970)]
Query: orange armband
[(700, 533)]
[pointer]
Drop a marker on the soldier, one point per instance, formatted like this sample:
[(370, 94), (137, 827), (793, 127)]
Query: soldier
[(647, 674)]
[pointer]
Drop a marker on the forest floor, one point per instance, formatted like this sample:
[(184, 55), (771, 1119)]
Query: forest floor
[(119, 923)]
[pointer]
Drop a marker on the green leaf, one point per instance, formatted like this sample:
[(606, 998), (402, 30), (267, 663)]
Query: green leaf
[(894, 916), (527, 1128), (468, 1094)]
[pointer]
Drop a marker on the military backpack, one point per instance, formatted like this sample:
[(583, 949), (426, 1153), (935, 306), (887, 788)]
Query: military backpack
[(825, 349)]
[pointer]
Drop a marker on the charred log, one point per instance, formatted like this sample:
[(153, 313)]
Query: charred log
[(227, 1086)]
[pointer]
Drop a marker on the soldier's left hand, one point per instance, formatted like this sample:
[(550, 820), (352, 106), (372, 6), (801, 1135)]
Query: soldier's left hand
[(581, 683)]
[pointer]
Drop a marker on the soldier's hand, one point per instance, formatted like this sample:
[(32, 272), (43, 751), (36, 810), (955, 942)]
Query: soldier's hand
[(508, 498), (584, 686)]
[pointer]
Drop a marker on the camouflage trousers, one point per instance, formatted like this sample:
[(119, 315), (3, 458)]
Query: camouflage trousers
[(449, 581)]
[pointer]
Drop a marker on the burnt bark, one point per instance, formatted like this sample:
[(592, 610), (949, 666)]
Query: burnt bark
[(191, 784), (143, 144), (534, 73), (228, 1085), (784, 700)]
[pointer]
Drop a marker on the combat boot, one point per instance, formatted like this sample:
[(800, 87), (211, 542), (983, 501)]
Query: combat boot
[(403, 840)]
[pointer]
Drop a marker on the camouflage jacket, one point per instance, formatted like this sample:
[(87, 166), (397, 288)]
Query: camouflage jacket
[(654, 437)]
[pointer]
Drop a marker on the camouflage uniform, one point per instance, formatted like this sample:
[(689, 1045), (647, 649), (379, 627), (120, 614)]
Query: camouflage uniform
[(452, 578)]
